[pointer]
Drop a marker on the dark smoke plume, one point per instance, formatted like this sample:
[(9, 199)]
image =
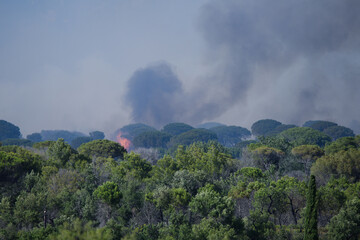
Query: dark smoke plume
[(291, 60), (152, 94)]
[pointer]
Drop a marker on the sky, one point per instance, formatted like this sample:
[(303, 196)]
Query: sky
[(99, 65)]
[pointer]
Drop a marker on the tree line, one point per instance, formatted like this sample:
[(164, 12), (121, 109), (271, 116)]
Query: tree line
[(299, 183)]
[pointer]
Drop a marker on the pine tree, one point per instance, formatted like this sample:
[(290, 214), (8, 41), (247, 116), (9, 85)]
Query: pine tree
[(311, 232)]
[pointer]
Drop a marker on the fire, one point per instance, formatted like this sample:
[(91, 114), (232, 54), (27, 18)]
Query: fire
[(123, 141)]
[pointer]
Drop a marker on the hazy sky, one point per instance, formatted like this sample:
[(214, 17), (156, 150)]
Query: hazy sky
[(65, 64), (72, 64)]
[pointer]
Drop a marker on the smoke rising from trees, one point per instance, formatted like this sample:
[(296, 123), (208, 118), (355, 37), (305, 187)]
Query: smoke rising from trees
[(152, 95), (67, 65), (286, 59), (290, 60)]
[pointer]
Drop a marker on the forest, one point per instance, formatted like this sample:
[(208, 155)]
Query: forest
[(211, 181)]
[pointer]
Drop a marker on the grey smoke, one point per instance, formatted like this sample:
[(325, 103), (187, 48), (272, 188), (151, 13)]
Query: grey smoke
[(291, 60), (152, 94)]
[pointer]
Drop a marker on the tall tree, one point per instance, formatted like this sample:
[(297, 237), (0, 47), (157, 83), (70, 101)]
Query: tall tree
[(8, 130), (95, 135), (311, 232), (264, 126)]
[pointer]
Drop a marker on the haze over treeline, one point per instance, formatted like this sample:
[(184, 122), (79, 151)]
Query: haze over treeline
[(86, 66)]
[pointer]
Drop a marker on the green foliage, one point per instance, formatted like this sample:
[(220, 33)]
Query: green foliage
[(38, 233), (341, 144), (164, 170), (6, 215), (176, 128), (16, 161), (305, 136), (343, 163), (251, 173), (336, 132), (254, 145), (102, 148), (144, 232), (199, 192), (230, 135), (34, 137), (75, 143), (208, 157), (265, 157), (276, 142), (165, 198), (180, 197), (357, 139), (258, 226), (332, 197), (208, 202), (60, 152), (8, 130), (319, 125), (310, 222), (191, 181), (189, 137), (109, 193), (279, 129), (64, 180), (209, 228), (346, 225), (54, 135), (135, 166), (305, 152), (244, 144), (77, 230), (245, 189), (151, 139), (132, 130), (17, 142), (97, 135), (262, 127), (43, 145), (29, 207), (284, 196), (179, 227)]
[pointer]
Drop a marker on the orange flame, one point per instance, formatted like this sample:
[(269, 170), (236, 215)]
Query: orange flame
[(123, 141)]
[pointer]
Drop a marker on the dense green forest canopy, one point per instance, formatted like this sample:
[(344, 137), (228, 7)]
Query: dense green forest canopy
[(152, 139), (264, 126), (132, 130), (53, 135), (194, 135), (319, 125), (176, 128), (330, 128), (8, 130), (230, 135), (34, 137), (294, 185), (102, 148), (305, 135)]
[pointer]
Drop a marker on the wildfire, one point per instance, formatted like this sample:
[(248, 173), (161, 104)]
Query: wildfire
[(123, 141)]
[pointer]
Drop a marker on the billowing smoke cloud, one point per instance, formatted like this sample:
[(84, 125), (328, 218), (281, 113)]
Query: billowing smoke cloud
[(291, 60), (286, 59), (153, 95)]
